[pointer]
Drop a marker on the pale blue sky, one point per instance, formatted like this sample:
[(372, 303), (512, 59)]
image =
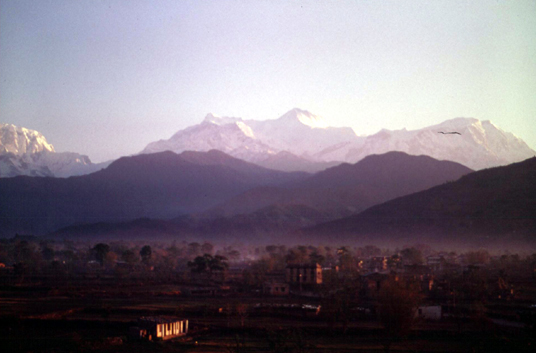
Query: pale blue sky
[(104, 78)]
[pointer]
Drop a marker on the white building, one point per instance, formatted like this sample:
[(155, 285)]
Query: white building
[(159, 328)]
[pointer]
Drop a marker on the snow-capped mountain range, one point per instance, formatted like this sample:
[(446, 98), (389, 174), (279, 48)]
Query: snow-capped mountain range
[(297, 141), (308, 139), (27, 152)]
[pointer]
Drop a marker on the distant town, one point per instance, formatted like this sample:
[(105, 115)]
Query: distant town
[(198, 297)]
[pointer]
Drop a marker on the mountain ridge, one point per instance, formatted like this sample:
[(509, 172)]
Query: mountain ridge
[(27, 152), (162, 185), (347, 188), (495, 205), (481, 144), (296, 141)]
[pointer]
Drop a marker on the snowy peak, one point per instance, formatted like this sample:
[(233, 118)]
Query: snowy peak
[(254, 140), (304, 117), (459, 122), (234, 122), (27, 152), (220, 120), (230, 135), (21, 141), (477, 144), (309, 138), (12, 165)]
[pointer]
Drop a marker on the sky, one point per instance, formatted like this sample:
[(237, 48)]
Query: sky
[(104, 78)]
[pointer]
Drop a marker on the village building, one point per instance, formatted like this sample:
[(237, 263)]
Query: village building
[(276, 276), (375, 264), (276, 288), (435, 262), (331, 274), (304, 274), (372, 283), (429, 312), (159, 328)]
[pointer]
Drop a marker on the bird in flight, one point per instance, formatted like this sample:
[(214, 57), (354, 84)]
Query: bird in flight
[(449, 133)]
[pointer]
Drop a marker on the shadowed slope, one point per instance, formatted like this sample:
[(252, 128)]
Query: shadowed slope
[(349, 188), (161, 185), (495, 205)]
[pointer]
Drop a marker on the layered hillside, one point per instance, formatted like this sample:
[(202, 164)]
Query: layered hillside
[(349, 188), (493, 206), (162, 185), (268, 213)]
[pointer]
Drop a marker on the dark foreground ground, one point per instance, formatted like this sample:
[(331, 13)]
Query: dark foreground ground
[(95, 315), (88, 336)]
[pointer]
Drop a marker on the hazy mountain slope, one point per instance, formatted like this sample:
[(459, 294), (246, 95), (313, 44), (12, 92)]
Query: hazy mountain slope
[(268, 176), (270, 224), (493, 206), (289, 162), (271, 211), (161, 185), (345, 189)]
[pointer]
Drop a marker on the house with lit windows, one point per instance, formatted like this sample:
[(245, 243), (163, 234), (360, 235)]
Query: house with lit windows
[(155, 328)]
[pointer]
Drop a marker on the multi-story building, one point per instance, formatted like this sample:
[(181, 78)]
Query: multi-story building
[(304, 274)]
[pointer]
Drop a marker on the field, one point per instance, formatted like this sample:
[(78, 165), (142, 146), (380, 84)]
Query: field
[(94, 314)]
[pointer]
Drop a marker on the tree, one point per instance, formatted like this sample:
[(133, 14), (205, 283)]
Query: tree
[(208, 264), (48, 253), (129, 257), (369, 250), (256, 275), (347, 262), (194, 249), (207, 248), (146, 253), (411, 256), (476, 257), (297, 255), (271, 249), (218, 263), (200, 264), (234, 255), (110, 259), (101, 250), (316, 258), (337, 306), (23, 252), (397, 306)]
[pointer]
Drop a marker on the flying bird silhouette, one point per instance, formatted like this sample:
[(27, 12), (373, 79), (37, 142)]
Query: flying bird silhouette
[(448, 133)]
